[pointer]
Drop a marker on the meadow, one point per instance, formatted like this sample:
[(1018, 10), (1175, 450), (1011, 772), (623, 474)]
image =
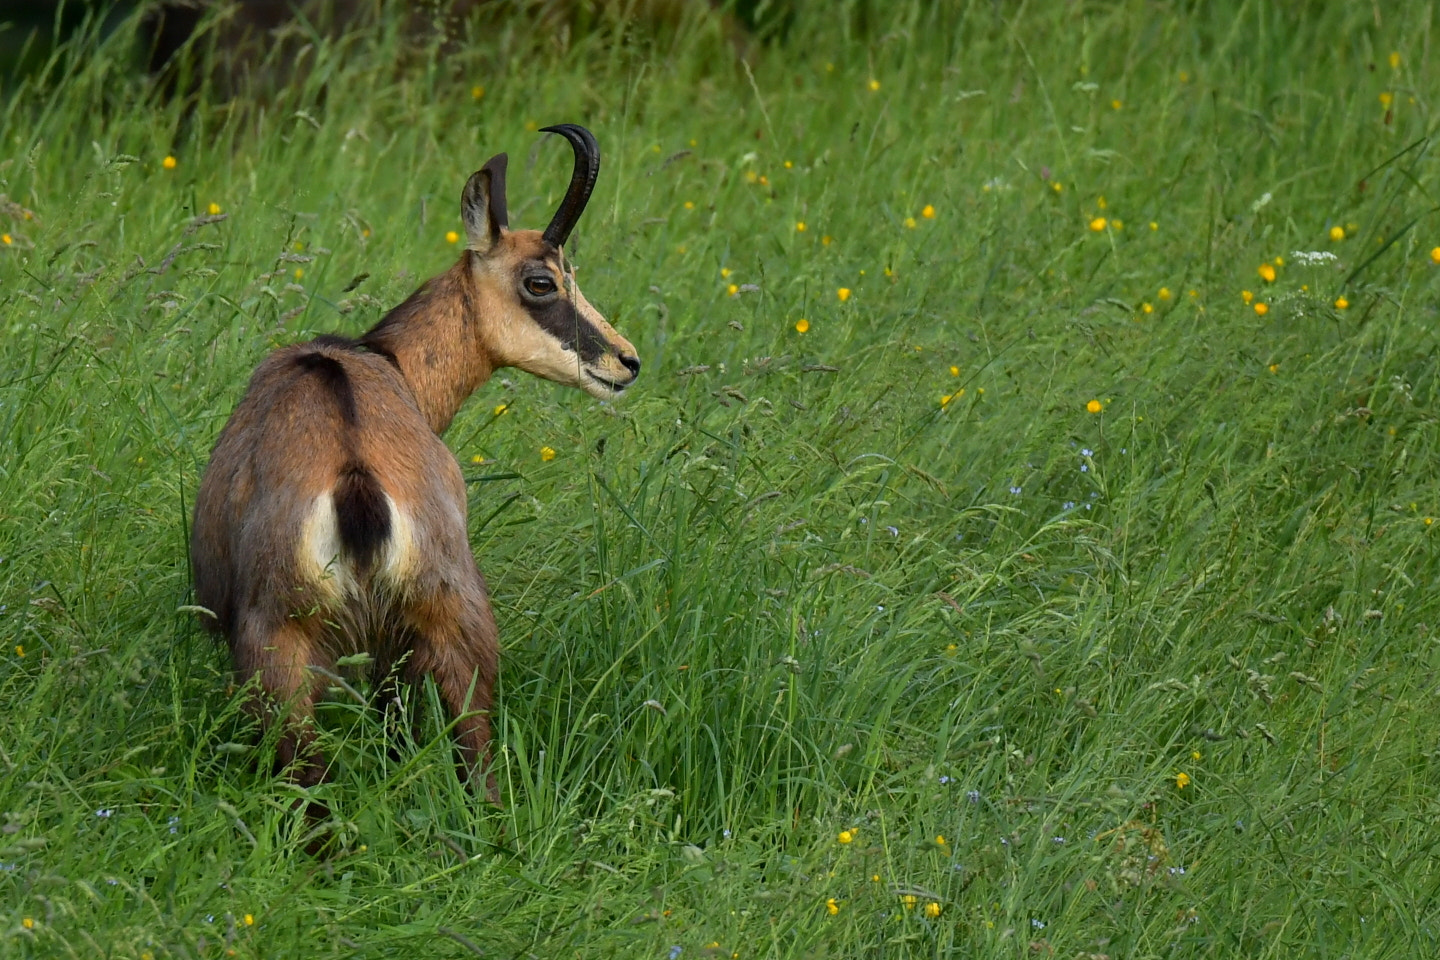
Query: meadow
[(1018, 544)]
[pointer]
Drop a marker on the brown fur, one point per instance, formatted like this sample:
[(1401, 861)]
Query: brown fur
[(332, 518)]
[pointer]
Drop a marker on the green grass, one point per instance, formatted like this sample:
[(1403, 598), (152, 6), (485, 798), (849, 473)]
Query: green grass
[(779, 591)]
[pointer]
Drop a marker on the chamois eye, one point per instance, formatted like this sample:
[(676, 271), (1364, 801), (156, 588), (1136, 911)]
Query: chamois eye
[(539, 286)]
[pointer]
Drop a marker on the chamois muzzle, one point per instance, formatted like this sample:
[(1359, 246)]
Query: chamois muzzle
[(582, 181)]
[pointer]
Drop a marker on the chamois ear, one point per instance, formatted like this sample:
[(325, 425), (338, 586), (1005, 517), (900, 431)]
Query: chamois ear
[(482, 205)]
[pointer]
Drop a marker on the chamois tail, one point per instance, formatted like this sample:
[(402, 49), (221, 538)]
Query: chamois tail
[(362, 514)]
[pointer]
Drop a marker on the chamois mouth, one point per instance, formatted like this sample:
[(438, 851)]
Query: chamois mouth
[(607, 383)]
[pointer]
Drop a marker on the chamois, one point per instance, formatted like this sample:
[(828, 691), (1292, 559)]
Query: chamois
[(331, 519)]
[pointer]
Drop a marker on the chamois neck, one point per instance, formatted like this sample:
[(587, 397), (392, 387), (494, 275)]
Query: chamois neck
[(431, 337)]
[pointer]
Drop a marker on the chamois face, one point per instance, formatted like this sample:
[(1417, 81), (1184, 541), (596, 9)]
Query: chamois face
[(537, 318)]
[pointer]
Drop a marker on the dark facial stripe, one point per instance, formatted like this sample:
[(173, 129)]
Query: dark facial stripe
[(561, 320)]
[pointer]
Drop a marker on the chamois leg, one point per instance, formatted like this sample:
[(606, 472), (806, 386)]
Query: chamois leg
[(280, 655), (455, 642)]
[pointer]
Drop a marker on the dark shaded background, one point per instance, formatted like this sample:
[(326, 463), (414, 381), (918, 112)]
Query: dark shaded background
[(30, 30)]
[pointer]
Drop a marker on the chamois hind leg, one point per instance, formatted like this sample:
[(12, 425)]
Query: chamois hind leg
[(454, 641), (281, 655)]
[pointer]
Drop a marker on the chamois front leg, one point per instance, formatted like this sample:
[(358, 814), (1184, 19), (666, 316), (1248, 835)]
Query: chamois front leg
[(455, 642), (281, 654)]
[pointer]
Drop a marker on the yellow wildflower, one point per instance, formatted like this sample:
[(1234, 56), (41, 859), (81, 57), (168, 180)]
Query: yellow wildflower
[(1195, 755), (910, 223), (874, 85), (1395, 60), (476, 92), (1341, 303), (843, 293), (1274, 368), (1386, 99), (1429, 520), (1154, 225), (6, 239), (169, 163), (213, 209), (909, 900), (800, 227), (764, 180), (501, 409), (954, 371), (732, 290), (1435, 255), (1246, 295), (1279, 261), (1337, 232), (802, 325), (846, 836), (788, 165), (249, 920), (451, 236), (1164, 293), (940, 840), (725, 272), (1116, 104), (826, 240), (299, 272), (932, 909), (1261, 309), (1146, 308), (547, 454), (1267, 272), (928, 212), (1182, 780), (477, 459), (689, 204), (1094, 406), (832, 907), (1097, 224), (874, 878), (1057, 186), (19, 650)]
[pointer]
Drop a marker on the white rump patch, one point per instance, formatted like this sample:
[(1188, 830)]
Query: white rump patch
[(324, 563)]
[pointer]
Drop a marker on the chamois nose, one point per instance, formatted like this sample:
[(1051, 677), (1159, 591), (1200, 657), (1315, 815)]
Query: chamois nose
[(632, 364)]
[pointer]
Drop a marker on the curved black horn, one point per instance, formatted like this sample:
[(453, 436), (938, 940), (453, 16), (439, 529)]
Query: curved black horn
[(582, 181)]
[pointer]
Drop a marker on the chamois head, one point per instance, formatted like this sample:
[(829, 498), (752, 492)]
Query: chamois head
[(539, 321)]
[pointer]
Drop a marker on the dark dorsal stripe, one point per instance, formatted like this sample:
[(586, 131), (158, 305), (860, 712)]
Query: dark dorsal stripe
[(332, 373)]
